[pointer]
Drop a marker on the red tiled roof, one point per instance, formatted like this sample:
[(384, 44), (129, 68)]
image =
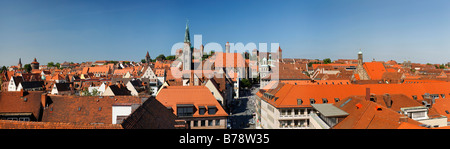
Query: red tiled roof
[(14, 102), (288, 94), (375, 70), (9, 124), (369, 115), (171, 96), (83, 109)]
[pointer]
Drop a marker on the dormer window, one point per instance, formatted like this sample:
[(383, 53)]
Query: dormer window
[(212, 110), (201, 110), (185, 109)]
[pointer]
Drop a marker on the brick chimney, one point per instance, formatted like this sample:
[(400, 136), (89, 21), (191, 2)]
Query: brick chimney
[(368, 94), (44, 100), (387, 99)]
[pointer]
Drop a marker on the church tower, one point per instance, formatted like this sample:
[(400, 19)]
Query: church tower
[(147, 58), (20, 63), (360, 72), (360, 57), (34, 64), (187, 51)]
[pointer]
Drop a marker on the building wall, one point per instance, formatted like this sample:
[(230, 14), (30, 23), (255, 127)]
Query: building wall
[(120, 111), (198, 120), (214, 91), (283, 118)]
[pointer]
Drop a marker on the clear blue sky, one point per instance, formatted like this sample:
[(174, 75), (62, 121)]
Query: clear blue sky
[(78, 30)]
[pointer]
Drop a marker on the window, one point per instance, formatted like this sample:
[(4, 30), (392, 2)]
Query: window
[(203, 123), (185, 110), (443, 95), (312, 100), (24, 119), (195, 123), (212, 110), (414, 97), (324, 100), (217, 122), (299, 101), (418, 115), (210, 122), (201, 110), (336, 99)]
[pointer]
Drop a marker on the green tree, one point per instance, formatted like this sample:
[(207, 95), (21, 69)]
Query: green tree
[(50, 64), (170, 57), (143, 61), (3, 69), (58, 65), (27, 68), (246, 83), (161, 57), (327, 61)]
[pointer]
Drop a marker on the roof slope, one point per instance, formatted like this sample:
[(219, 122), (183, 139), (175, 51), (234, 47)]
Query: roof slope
[(365, 114), (171, 96), (84, 109), (14, 102), (288, 94), (375, 70), (150, 115)]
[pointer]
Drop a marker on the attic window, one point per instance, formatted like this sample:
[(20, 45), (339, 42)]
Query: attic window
[(443, 95), (299, 101), (212, 110), (336, 99), (99, 108), (201, 110), (414, 97), (378, 108), (325, 100), (312, 101), (446, 111), (79, 108)]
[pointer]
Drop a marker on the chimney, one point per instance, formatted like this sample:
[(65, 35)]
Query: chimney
[(403, 119), (44, 100), (429, 100), (368, 94), (21, 93), (387, 99), (191, 79)]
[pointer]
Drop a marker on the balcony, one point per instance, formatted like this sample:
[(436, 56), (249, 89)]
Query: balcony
[(293, 117)]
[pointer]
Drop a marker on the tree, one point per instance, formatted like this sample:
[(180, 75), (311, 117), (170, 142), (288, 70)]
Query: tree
[(143, 61), (58, 65), (161, 57), (170, 57), (3, 69), (246, 83), (327, 61), (27, 68), (50, 64)]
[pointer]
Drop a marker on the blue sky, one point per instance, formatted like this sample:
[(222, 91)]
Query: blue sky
[(78, 31)]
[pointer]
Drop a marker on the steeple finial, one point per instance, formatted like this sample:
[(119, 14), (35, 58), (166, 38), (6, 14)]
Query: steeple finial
[(186, 34)]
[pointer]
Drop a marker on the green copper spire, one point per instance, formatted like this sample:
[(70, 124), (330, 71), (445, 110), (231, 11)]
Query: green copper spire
[(186, 34)]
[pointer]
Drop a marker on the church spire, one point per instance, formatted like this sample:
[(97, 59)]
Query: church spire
[(186, 34), (20, 63)]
